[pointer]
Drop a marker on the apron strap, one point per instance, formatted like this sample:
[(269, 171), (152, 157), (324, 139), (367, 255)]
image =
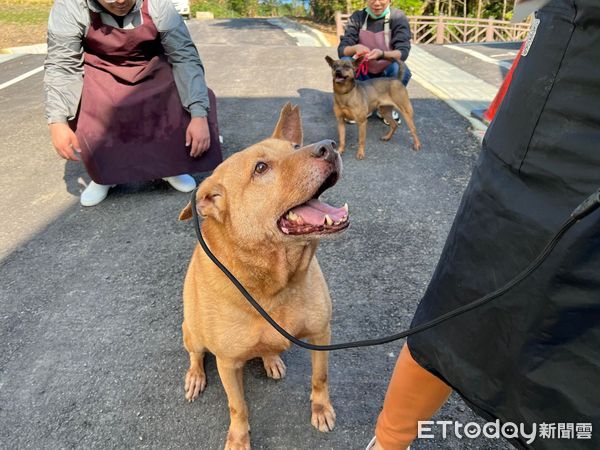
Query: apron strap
[(364, 26), (386, 27)]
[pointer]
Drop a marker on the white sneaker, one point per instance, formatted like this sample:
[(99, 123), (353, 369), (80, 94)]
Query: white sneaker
[(371, 444), (183, 182), (94, 193), (395, 116)]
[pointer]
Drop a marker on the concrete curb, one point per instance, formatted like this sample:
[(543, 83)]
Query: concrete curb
[(462, 91), (316, 33), (35, 49), (297, 30)]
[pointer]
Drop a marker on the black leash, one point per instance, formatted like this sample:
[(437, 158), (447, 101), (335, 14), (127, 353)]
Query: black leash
[(588, 206)]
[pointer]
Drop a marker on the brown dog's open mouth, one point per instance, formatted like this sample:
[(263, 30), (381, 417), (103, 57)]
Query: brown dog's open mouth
[(339, 79), (315, 216)]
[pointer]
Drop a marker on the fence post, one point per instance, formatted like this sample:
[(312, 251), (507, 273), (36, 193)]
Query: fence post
[(489, 34), (439, 34), (339, 26)]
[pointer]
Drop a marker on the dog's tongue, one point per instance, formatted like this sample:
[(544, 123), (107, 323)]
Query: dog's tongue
[(314, 211)]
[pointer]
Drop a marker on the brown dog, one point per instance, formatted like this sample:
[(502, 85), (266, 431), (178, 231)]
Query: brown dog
[(356, 100), (263, 220)]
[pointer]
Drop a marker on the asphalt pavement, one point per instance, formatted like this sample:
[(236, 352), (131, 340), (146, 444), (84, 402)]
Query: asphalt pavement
[(90, 299)]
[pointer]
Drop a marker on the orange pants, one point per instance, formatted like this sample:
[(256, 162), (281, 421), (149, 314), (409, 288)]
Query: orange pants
[(413, 394)]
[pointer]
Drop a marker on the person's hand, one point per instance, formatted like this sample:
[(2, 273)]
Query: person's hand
[(360, 49), (376, 53), (197, 136), (64, 141)]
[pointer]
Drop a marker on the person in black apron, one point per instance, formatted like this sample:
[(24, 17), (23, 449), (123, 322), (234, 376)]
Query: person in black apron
[(382, 33), (140, 116), (531, 356)]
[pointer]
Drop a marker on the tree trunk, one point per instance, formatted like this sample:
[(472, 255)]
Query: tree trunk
[(504, 10), (424, 6), (436, 9), (479, 2)]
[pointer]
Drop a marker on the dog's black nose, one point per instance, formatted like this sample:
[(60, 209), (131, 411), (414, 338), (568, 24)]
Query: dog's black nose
[(325, 150)]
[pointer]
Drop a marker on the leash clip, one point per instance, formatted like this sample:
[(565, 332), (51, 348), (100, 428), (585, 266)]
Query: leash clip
[(588, 206)]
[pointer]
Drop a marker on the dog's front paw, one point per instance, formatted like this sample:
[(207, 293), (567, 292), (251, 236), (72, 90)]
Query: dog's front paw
[(360, 155), (323, 417), (237, 441), (417, 146), (341, 150), (274, 366), (195, 383)]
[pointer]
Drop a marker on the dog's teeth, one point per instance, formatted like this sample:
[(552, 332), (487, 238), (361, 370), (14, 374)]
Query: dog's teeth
[(345, 206), (292, 216), (328, 220)]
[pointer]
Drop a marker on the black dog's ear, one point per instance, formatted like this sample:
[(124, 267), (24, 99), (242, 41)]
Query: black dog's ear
[(329, 60)]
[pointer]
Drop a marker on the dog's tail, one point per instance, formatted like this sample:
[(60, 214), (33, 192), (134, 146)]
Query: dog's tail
[(402, 70)]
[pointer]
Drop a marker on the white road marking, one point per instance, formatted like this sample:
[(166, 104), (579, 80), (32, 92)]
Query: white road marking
[(480, 56), (504, 54), (21, 77)]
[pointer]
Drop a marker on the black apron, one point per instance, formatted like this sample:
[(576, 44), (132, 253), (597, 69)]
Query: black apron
[(532, 355)]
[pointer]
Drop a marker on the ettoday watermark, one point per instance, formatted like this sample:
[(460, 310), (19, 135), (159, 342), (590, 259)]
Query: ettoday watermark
[(427, 429)]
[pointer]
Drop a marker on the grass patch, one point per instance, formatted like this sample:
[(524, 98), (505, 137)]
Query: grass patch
[(219, 9), (23, 22), (25, 12)]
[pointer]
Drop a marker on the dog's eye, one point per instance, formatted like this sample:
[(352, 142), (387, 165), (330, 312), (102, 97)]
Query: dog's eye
[(296, 146), (260, 167)]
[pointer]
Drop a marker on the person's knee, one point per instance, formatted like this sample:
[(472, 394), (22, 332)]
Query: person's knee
[(392, 70)]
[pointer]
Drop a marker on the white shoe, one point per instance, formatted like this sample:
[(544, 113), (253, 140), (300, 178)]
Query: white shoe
[(94, 193), (371, 444), (395, 116), (183, 182)]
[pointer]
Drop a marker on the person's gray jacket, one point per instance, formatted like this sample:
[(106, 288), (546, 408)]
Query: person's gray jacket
[(68, 24)]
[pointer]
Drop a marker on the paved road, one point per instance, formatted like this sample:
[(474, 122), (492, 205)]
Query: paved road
[(91, 298), (489, 62)]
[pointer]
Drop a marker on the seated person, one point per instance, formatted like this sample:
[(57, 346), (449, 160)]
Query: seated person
[(382, 33)]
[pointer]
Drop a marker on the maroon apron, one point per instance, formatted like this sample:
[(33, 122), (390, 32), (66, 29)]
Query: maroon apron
[(131, 124), (380, 40)]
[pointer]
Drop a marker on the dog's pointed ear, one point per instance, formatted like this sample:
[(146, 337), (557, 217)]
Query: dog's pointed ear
[(209, 201), (186, 213), (329, 60), (289, 125)]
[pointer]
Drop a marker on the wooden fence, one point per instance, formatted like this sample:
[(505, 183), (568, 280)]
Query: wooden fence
[(452, 30)]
